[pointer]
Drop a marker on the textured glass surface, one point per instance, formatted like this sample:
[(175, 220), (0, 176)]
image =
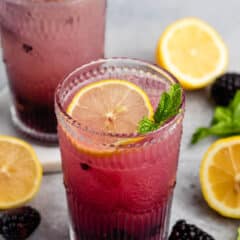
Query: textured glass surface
[(118, 192), (42, 42)]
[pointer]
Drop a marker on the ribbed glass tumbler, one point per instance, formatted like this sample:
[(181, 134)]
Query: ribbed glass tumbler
[(118, 191), (42, 40)]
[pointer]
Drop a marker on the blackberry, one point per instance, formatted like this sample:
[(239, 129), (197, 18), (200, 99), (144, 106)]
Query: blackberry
[(225, 87), (19, 224), (184, 231), (85, 166)]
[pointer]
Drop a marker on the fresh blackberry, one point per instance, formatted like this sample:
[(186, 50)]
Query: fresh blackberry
[(183, 231), (19, 224), (225, 87)]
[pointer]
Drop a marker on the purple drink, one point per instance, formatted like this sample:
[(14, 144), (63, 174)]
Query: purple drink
[(118, 192), (43, 40)]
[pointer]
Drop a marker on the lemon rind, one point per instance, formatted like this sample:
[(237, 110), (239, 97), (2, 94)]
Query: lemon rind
[(30, 196), (208, 194), (100, 83), (163, 58)]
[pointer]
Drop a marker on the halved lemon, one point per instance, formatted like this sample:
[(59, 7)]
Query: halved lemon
[(220, 177), (114, 106), (192, 51), (20, 172)]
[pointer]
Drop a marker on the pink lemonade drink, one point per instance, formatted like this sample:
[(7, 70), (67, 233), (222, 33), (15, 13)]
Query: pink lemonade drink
[(118, 186), (43, 40)]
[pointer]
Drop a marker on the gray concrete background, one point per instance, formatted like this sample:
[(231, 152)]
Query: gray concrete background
[(133, 29)]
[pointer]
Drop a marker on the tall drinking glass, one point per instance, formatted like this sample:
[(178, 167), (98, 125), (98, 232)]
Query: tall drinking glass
[(118, 191), (43, 40)]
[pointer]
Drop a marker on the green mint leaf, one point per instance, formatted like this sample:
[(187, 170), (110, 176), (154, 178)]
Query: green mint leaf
[(163, 108), (176, 96), (222, 114), (200, 134), (146, 125), (222, 129), (169, 106), (225, 122), (236, 101), (235, 106)]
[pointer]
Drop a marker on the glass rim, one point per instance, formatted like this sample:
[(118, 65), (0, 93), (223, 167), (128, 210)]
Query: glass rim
[(51, 3), (84, 128)]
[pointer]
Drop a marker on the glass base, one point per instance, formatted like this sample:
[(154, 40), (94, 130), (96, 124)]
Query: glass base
[(147, 226), (20, 125), (72, 237)]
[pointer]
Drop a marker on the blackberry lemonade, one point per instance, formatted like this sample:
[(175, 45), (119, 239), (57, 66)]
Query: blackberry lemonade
[(43, 40), (119, 185)]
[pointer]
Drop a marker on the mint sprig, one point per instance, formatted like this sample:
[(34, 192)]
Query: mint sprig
[(225, 122), (169, 106)]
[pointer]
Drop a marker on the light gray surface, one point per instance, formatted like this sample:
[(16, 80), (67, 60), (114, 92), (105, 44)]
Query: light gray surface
[(133, 29), (48, 155)]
